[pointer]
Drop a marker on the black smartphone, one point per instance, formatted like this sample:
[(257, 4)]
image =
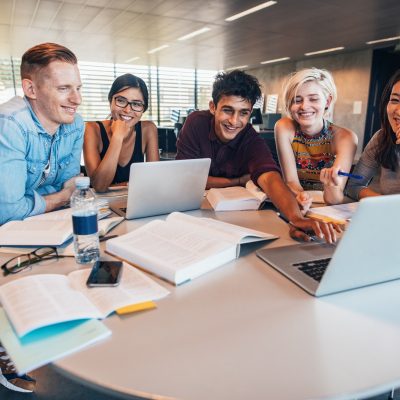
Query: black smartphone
[(105, 273)]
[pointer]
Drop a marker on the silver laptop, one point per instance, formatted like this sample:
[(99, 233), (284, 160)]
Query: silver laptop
[(368, 253), (164, 186)]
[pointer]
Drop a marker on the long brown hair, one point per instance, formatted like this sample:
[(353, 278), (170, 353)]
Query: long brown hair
[(386, 154)]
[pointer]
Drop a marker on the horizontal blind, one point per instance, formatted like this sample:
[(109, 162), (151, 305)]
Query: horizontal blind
[(205, 79), (169, 88), (176, 91), (9, 71)]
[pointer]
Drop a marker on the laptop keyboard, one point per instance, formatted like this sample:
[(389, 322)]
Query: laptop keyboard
[(315, 268)]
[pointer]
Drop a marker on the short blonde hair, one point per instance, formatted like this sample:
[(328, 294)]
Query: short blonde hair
[(296, 79)]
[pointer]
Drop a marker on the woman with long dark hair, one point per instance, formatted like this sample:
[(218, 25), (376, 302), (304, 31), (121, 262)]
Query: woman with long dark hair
[(382, 153), (111, 146)]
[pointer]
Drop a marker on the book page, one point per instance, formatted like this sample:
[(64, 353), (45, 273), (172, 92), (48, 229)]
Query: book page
[(256, 191), (31, 232), (49, 343), (135, 287), (235, 234), (340, 213), (168, 245), (105, 225), (233, 198), (317, 196), (39, 300)]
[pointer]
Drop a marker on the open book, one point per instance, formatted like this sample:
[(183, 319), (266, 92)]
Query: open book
[(183, 247), (339, 213), (40, 300), (236, 198), (49, 229), (49, 343)]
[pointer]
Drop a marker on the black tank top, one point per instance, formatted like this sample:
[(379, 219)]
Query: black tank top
[(122, 173)]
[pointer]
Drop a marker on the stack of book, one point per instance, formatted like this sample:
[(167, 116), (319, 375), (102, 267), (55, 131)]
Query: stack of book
[(45, 317)]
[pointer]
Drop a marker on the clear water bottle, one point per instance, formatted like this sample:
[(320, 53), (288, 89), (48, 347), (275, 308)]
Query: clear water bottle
[(84, 221)]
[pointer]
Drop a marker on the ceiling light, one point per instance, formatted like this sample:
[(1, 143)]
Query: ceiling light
[(158, 49), (131, 59), (389, 39), (275, 60), (250, 10), (195, 33), (324, 51), (238, 67)]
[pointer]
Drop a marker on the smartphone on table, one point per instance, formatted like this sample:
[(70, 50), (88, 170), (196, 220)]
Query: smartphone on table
[(105, 273)]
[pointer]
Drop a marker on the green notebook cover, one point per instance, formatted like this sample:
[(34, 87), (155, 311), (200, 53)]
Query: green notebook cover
[(50, 343)]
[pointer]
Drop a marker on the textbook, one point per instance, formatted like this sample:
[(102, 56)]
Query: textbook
[(49, 343), (183, 247), (238, 198), (49, 229), (36, 301), (339, 213)]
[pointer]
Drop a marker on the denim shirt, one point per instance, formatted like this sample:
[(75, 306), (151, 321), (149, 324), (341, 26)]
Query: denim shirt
[(26, 149)]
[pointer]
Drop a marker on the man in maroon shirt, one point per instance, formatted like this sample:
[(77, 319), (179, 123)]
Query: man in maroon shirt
[(237, 151)]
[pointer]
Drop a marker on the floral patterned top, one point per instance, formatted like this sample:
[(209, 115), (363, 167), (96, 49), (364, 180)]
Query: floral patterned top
[(313, 153)]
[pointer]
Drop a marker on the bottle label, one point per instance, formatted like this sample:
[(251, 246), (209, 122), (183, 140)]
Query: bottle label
[(84, 225)]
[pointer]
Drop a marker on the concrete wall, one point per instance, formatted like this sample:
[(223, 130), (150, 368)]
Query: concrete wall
[(351, 72)]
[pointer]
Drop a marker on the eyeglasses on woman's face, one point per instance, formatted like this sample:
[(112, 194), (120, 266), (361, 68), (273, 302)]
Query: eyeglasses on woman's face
[(122, 102)]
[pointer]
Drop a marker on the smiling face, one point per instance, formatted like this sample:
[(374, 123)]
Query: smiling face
[(232, 113), (54, 93), (309, 106), (126, 113), (393, 108)]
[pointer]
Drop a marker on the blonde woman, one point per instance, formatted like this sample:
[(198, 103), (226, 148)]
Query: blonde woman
[(311, 149)]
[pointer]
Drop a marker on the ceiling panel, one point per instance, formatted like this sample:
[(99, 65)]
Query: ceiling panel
[(115, 31)]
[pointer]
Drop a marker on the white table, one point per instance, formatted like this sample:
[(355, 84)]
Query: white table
[(246, 332)]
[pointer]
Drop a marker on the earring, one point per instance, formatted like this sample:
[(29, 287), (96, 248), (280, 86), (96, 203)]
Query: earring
[(326, 108)]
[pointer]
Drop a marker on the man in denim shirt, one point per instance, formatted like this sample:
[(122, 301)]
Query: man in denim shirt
[(41, 135), (40, 147)]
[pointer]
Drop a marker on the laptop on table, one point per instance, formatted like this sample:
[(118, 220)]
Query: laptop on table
[(368, 253), (162, 187)]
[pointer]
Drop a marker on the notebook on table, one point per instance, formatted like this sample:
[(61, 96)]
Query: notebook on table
[(367, 253), (161, 187)]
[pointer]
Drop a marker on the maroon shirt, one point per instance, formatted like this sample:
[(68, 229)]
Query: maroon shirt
[(247, 153)]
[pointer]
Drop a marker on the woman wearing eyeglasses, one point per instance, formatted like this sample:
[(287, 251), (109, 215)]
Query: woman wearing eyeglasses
[(111, 146)]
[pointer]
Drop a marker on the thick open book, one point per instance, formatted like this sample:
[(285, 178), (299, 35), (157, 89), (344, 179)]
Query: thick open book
[(236, 198), (339, 213), (183, 247), (40, 300), (49, 229)]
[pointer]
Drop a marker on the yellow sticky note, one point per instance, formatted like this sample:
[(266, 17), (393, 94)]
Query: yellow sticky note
[(147, 305)]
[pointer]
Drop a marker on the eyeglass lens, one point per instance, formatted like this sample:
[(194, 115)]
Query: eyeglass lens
[(23, 261), (135, 105)]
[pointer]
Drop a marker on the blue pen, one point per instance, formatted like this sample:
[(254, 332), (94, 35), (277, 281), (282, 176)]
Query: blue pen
[(341, 173)]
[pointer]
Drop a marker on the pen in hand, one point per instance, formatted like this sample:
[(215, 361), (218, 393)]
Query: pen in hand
[(312, 236), (341, 173)]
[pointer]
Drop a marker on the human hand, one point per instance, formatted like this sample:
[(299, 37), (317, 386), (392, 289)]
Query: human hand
[(330, 177), (301, 229), (304, 200), (398, 135), (70, 183), (120, 128), (244, 179)]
